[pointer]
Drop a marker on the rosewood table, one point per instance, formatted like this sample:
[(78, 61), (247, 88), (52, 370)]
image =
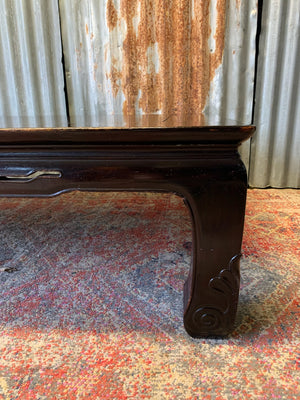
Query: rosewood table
[(201, 164)]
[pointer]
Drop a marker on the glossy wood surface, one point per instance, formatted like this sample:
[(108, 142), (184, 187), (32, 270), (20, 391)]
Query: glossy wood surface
[(200, 164)]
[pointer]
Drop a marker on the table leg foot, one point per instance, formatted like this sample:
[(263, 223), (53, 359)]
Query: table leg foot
[(215, 315), (212, 288)]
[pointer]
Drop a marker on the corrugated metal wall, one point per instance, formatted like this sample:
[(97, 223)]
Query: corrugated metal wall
[(174, 63), (275, 150), (167, 63), (32, 81), (171, 63)]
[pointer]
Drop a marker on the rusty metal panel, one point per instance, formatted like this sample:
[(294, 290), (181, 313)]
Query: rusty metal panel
[(159, 63), (32, 81), (275, 151), (230, 99)]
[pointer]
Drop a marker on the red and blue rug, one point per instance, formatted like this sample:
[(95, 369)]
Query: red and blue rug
[(91, 301)]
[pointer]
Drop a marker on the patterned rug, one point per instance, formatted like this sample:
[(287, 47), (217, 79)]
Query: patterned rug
[(91, 301)]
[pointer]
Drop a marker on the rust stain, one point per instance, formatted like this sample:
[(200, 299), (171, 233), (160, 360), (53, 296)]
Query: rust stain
[(95, 67), (173, 32), (165, 36), (200, 60), (78, 56), (115, 77), (204, 62), (130, 65), (105, 53), (86, 29), (111, 15), (216, 57), (180, 87), (149, 85)]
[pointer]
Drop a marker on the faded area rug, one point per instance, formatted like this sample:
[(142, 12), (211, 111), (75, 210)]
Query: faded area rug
[(91, 301)]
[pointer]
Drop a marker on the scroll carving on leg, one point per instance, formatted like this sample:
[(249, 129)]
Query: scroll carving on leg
[(226, 286), (211, 292)]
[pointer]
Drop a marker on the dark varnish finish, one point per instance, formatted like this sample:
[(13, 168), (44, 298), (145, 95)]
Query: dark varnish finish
[(200, 164)]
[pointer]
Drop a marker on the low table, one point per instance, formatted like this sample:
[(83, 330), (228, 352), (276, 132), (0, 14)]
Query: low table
[(201, 164)]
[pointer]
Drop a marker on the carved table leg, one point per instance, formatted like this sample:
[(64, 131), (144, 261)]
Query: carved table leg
[(217, 205), (199, 163)]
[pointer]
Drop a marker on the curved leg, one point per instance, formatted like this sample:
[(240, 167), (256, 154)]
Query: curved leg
[(211, 291)]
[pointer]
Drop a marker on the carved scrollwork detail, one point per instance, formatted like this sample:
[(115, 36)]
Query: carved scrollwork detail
[(226, 287), (209, 318)]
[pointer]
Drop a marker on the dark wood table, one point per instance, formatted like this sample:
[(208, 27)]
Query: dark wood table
[(201, 164)]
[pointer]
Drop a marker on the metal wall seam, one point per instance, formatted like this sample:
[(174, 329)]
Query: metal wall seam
[(32, 83), (231, 94), (275, 152), (84, 36), (181, 62)]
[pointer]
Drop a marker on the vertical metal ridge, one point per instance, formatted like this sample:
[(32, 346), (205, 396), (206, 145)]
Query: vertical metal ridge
[(276, 145), (35, 65), (68, 32), (283, 82), (236, 81), (30, 61), (5, 101), (248, 57), (246, 85), (291, 156)]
